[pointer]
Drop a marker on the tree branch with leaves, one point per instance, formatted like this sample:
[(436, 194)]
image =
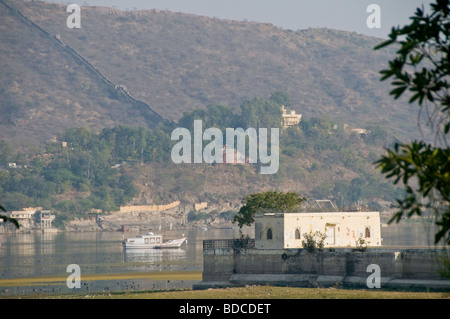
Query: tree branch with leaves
[(269, 202), (7, 219), (422, 69)]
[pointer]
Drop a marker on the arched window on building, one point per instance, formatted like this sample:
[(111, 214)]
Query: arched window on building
[(367, 232), (297, 233), (269, 233)]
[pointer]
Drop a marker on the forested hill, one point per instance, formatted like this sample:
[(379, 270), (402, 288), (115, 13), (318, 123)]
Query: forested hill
[(319, 158), (173, 62), (86, 115)]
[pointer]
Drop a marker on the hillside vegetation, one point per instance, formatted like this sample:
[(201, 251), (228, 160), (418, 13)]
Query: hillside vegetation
[(178, 62), (87, 114), (320, 158)]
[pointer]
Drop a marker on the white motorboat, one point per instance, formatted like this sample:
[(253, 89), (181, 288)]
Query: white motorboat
[(151, 241)]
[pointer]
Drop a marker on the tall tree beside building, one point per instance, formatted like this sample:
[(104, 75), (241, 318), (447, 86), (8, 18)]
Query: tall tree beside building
[(267, 202)]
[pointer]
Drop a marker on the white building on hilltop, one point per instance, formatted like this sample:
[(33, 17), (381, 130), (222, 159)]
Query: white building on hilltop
[(290, 119), (342, 229)]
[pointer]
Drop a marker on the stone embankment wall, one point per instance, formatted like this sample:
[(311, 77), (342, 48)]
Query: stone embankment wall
[(140, 217), (148, 208), (144, 220), (342, 267)]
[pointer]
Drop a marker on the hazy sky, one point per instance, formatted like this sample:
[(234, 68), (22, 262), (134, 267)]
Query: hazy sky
[(349, 15)]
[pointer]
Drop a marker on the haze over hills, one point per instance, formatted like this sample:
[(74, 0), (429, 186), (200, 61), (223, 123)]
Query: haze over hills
[(45, 90), (175, 62), (135, 72)]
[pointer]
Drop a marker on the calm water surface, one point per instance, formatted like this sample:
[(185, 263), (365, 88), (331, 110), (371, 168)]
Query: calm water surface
[(37, 254)]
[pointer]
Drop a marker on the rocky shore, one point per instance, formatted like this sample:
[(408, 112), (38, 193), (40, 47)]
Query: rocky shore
[(145, 221), (142, 221)]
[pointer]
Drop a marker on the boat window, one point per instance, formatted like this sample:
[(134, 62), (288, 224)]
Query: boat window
[(158, 240), (152, 240), (146, 240)]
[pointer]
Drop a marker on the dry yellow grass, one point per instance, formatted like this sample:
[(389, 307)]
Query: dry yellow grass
[(49, 280), (269, 292), (251, 292), (248, 292)]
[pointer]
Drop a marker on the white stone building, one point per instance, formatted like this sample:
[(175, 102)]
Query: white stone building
[(290, 118), (343, 229)]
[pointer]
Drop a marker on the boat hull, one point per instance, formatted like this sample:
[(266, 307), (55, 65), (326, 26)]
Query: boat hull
[(170, 244)]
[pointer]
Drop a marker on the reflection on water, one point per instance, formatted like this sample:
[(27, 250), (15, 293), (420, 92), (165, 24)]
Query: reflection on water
[(153, 255), (158, 260), (38, 254), (49, 254)]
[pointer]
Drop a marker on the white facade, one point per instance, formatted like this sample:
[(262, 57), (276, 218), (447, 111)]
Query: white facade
[(290, 119), (343, 229)]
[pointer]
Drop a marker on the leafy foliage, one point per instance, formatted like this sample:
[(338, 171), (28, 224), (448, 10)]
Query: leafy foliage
[(100, 169), (88, 165), (196, 61), (195, 216), (361, 244), (268, 201), (255, 112), (313, 241), (8, 219), (422, 68)]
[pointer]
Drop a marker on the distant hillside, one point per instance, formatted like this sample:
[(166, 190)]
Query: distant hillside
[(175, 62), (45, 88)]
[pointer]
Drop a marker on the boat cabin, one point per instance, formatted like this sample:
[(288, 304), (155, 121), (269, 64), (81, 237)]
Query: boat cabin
[(149, 239), (152, 241)]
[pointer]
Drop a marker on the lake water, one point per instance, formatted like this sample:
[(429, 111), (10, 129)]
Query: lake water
[(37, 254), (48, 254)]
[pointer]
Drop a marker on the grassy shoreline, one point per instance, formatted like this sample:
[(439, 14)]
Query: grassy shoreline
[(248, 292), (161, 275)]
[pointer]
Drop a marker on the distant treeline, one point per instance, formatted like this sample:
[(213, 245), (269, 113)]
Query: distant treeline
[(83, 169)]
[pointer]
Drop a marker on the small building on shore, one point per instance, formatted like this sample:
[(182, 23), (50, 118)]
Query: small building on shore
[(29, 218), (342, 229), (276, 256), (45, 220)]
